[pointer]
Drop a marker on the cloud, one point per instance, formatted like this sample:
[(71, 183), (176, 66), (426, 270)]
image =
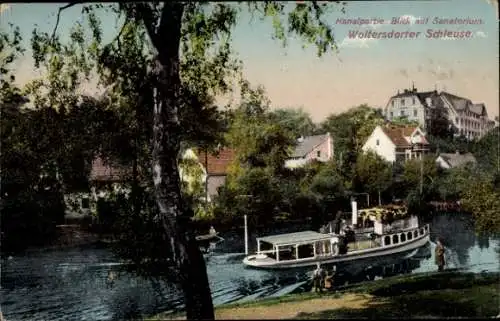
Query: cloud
[(480, 34), (357, 42)]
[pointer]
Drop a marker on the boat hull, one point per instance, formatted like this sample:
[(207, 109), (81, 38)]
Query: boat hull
[(257, 262)]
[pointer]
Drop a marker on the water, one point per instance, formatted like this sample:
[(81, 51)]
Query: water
[(71, 284)]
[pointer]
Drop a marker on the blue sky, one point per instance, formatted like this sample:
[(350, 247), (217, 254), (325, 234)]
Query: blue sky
[(362, 72)]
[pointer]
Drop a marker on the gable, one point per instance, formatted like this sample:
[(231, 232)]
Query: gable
[(308, 144), (217, 164)]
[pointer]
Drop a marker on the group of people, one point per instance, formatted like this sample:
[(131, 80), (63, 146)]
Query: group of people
[(322, 279)]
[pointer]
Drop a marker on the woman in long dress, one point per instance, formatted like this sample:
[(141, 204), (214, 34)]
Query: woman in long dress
[(439, 255)]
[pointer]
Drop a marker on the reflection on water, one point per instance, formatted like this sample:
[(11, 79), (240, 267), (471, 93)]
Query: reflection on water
[(72, 284)]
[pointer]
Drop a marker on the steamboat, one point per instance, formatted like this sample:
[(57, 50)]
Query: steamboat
[(371, 233)]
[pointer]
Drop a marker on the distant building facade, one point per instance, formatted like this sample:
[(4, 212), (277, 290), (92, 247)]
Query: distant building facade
[(468, 119), (309, 148)]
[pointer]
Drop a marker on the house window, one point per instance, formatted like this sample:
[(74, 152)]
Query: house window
[(456, 120), (378, 142), (318, 153), (402, 113), (392, 114), (392, 103), (85, 203), (415, 113), (413, 100), (402, 102)]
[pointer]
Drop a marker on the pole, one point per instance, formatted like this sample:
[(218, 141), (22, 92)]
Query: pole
[(246, 234), (421, 173)]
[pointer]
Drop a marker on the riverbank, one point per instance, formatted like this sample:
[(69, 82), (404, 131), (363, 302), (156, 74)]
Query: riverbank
[(426, 295)]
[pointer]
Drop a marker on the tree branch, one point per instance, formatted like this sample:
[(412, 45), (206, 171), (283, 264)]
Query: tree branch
[(69, 5)]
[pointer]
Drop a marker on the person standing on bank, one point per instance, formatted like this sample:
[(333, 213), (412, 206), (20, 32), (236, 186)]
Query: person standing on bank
[(317, 278), (439, 255)]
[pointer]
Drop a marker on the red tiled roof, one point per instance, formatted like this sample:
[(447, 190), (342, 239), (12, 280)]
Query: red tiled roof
[(105, 172), (217, 164), (397, 135)]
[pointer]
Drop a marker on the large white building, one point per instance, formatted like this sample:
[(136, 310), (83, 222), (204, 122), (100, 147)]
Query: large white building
[(468, 119)]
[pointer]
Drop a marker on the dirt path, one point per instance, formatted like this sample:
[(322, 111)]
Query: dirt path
[(288, 310)]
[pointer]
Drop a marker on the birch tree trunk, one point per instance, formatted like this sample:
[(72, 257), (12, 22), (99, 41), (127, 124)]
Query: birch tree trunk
[(173, 213)]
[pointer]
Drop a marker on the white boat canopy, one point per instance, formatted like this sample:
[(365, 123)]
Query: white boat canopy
[(305, 237)]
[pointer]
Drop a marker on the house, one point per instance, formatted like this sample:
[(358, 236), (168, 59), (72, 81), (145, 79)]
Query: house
[(412, 105), (213, 166), (468, 119), (453, 160), (397, 143), (104, 178), (317, 147)]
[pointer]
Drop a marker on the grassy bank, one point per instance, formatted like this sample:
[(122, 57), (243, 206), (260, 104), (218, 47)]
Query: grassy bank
[(427, 295)]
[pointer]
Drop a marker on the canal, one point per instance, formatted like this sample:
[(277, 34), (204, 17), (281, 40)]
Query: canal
[(72, 284)]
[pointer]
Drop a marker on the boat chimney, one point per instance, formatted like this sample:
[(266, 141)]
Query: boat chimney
[(354, 207)]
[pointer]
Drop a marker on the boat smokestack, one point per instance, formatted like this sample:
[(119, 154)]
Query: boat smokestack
[(354, 207)]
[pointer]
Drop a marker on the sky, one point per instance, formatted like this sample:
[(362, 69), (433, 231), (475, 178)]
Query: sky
[(364, 71)]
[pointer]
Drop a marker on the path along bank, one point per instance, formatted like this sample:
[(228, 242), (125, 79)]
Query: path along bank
[(426, 295)]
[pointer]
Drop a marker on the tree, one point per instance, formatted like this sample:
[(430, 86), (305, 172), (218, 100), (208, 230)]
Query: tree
[(350, 131), (481, 199), (296, 121), (192, 28), (373, 174)]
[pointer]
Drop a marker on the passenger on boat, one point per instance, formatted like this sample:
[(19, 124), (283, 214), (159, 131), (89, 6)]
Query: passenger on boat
[(439, 255), (318, 278), (212, 231)]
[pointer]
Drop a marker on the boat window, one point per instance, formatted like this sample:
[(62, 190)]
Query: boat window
[(403, 237), (421, 231), (264, 246), (426, 228), (395, 239), (415, 233), (387, 240), (287, 253), (410, 235), (305, 251)]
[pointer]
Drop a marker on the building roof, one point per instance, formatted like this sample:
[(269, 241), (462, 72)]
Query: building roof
[(458, 103), (102, 171), (295, 238), (400, 135), (217, 164), (456, 159), (306, 144), (422, 96)]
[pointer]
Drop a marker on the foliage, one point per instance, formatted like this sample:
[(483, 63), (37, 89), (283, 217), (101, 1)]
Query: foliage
[(486, 151), (296, 121), (403, 121), (482, 199), (350, 131), (373, 174)]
